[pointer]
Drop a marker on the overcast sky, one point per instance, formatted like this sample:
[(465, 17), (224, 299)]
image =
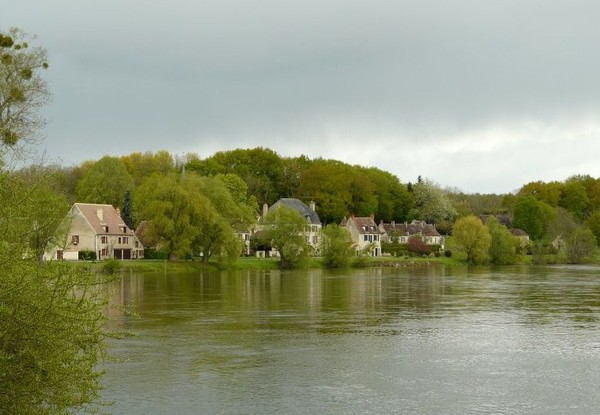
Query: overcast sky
[(480, 95)]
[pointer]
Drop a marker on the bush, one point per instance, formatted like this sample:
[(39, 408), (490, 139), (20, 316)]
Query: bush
[(150, 253), (111, 266), (87, 255), (417, 246), (448, 253)]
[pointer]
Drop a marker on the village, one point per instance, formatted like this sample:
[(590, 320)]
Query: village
[(97, 231)]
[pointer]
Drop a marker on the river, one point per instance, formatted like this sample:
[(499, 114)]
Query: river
[(430, 340)]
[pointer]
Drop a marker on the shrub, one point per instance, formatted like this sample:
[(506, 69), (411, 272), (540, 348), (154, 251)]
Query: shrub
[(448, 253), (417, 246), (111, 266), (87, 255)]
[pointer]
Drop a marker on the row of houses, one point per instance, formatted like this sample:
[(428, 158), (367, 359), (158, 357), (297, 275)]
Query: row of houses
[(366, 235), (97, 230)]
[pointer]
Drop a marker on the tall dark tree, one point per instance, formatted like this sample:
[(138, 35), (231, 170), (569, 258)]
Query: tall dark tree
[(127, 210)]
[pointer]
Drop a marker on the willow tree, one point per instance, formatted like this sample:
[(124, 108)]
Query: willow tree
[(51, 317), (472, 236)]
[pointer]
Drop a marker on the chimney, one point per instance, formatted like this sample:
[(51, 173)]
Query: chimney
[(100, 213), (118, 212), (313, 206), (265, 210)]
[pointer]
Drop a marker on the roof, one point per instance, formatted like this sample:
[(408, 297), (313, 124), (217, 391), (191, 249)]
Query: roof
[(300, 207), (518, 232), (414, 228), (363, 224), (104, 219)]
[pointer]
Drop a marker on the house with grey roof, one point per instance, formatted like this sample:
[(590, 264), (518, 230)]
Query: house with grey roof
[(99, 229), (314, 225)]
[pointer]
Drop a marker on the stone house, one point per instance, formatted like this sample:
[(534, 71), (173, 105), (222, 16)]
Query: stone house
[(99, 229), (312, 231), (366, 235)]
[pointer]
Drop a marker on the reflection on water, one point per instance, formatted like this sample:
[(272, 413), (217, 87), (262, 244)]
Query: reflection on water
[(429, 340)]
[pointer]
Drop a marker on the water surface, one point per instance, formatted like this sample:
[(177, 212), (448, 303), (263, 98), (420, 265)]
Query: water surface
[(374, 341)]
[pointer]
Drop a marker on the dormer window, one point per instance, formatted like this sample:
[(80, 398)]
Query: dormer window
[(75, 239), (105, 228)]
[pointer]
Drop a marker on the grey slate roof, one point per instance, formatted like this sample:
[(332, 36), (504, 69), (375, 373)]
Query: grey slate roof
[(300, 207)]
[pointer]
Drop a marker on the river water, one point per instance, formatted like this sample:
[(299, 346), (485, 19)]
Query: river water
[(429, 340)]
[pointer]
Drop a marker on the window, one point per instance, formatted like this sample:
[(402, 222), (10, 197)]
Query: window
[(75, 239), (105, 228), (124, 229), (366, 238), (126, 240), (103, 239)]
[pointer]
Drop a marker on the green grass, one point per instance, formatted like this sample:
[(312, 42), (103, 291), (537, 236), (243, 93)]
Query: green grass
[(250, 263)]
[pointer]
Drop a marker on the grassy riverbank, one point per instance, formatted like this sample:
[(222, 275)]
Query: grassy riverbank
[(164, 266)]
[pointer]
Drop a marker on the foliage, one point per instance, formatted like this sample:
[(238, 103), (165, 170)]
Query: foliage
[(574, 199), (432, 204), (260, 168), (504, 246), (22, 89), (51, 338), (571, 238), (285, 229), (336, 246), (51, 316), (111, 266), (105, 182), (593, 224), (473, 237), (532, 216), (549, 193), (394, 248), (143, 165), (171, 210), (86, 255), (127, 210), (417, 246)]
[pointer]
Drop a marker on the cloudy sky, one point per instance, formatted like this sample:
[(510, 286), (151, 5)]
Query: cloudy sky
[(480, 95)]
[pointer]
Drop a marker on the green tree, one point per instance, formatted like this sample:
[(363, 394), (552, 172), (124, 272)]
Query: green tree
[(503, 246), (336, 246), (432, 204), (549, 193), (127, 210), (105, 182), (593, 224), (573, 239), (51, 316), (532, 216), (574, 199), (171, 210), (218, 218), (285, 228), (22, 89), (473, 237), (143, 165), (326, 182)]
